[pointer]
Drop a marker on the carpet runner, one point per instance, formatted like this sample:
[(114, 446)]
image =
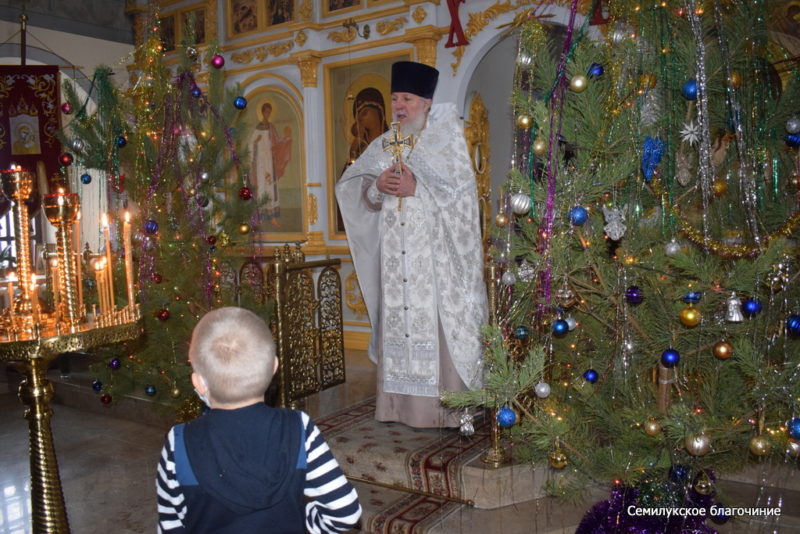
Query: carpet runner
[(405, 458)]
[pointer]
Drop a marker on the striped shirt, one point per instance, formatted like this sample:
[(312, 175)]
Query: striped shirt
[(331, 502)]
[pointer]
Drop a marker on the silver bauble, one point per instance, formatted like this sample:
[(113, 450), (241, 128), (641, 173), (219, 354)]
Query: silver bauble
[(77, 145), (571, 322), (673, 248), (520, 203), (508, 278), (698, 444), (204, 176), (793, 125), (525, 271), (542, 390), (793, 449)]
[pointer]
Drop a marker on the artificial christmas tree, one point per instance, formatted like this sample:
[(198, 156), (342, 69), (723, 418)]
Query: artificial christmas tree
[(646, 254)]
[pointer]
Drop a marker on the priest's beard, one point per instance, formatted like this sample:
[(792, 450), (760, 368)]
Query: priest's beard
[(416, 126)]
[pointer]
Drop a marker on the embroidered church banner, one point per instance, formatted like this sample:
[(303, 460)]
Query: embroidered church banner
[(30, 118)]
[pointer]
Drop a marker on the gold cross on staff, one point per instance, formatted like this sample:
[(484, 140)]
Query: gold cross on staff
[(395, 144)]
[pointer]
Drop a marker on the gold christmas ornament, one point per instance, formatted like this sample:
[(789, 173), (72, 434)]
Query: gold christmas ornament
[(697, 444), (524, 121), (735, 79), (759, 445), (793, 183), (647, 81), (723, 350), (579, 83), (703, 485), (539, 147), (557, 459), (652, 427), (501, 220), (175, 393), (244, 228), (690, 316), (719, 187)]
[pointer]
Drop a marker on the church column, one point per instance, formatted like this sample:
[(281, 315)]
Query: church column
[(424, 39), (313, 119)]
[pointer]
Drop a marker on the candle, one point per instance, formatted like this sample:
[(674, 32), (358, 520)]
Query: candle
[(76, 236), (12, 277), (56, 288), (110, 263), (100, 280), (34, 297), (126, 243)]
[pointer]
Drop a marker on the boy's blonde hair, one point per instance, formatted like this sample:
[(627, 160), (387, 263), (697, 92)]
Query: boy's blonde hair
[(233, 350)]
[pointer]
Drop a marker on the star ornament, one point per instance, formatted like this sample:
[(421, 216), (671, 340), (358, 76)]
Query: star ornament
[(690, 133)]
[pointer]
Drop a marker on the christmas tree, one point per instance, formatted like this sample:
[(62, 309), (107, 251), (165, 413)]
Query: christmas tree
[(649, 311), (168, 147)]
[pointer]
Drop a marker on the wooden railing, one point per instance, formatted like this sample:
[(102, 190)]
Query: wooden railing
[(306, 320)]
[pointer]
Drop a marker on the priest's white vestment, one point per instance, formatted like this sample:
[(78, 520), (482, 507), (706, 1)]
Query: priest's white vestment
[(420, 268)]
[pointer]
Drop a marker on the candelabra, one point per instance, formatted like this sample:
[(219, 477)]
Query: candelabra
[(34, 335)]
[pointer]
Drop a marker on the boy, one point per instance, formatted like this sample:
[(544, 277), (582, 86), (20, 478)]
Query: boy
[(244, 466)]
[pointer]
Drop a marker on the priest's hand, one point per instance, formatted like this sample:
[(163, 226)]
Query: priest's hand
[(388, 181), (408, 183)]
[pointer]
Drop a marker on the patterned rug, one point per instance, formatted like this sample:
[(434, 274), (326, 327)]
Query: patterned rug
[(426, 460)]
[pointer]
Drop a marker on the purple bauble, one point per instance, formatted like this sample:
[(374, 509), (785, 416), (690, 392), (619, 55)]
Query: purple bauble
[(196, 92), (150, 226), (115, 364), (633, 295), (217, 61)]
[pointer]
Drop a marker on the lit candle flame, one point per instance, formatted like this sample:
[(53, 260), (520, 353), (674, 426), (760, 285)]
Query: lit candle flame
[(104, 219)]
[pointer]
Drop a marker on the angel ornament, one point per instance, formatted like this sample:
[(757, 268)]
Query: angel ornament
[(684, 172), (615, 227)]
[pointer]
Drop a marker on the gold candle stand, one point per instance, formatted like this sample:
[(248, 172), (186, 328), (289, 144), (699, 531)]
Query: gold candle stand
[(18, 186), (61, 210), (32, 357)]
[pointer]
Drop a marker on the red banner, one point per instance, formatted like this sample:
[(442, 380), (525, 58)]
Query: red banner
[(30, 117)]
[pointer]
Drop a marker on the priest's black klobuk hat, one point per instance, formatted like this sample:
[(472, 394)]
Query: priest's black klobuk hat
[(415, 78)]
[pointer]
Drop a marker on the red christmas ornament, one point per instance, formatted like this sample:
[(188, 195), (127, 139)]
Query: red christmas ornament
[(106, 399), (156, 278), (65, 159), (66, 109), (245, 193), (163, 314), (212, 240)]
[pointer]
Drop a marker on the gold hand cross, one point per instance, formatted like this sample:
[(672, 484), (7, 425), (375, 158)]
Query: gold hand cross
[(395, 144)]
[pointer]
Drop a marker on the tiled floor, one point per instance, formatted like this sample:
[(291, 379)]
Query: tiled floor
[(107, 465)]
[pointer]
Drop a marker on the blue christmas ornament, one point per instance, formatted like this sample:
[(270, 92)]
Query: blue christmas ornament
[(689, 89), (590, 375), (794, 427), (150, 226), (506, 417), (679, 473), (196, 92), (150, 390), (651, 156), (212, 248), (633, 295), (86, 178), (792, 140), (578, 215), (793, 325), (97, 385), (693, 297), (595, 70), (560, 328), (670, 358), (240, 102), (121, 141), (115, 364), (751, 307), (521, 333)]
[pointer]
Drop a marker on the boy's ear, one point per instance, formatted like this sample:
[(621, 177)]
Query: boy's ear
[(199, 383)]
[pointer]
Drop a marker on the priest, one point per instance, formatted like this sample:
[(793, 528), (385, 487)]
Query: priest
[(410, 209)]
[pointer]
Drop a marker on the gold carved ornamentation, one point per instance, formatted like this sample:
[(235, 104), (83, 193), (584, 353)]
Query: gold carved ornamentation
[(312, 209), (278, 49), (211, 20), (477, 136), (242, 57), (306, 10), (353, 297), (426, 51), (388, 26), (344, 36), (307, 63), (419, 14), (300, 38), (478, 21)]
